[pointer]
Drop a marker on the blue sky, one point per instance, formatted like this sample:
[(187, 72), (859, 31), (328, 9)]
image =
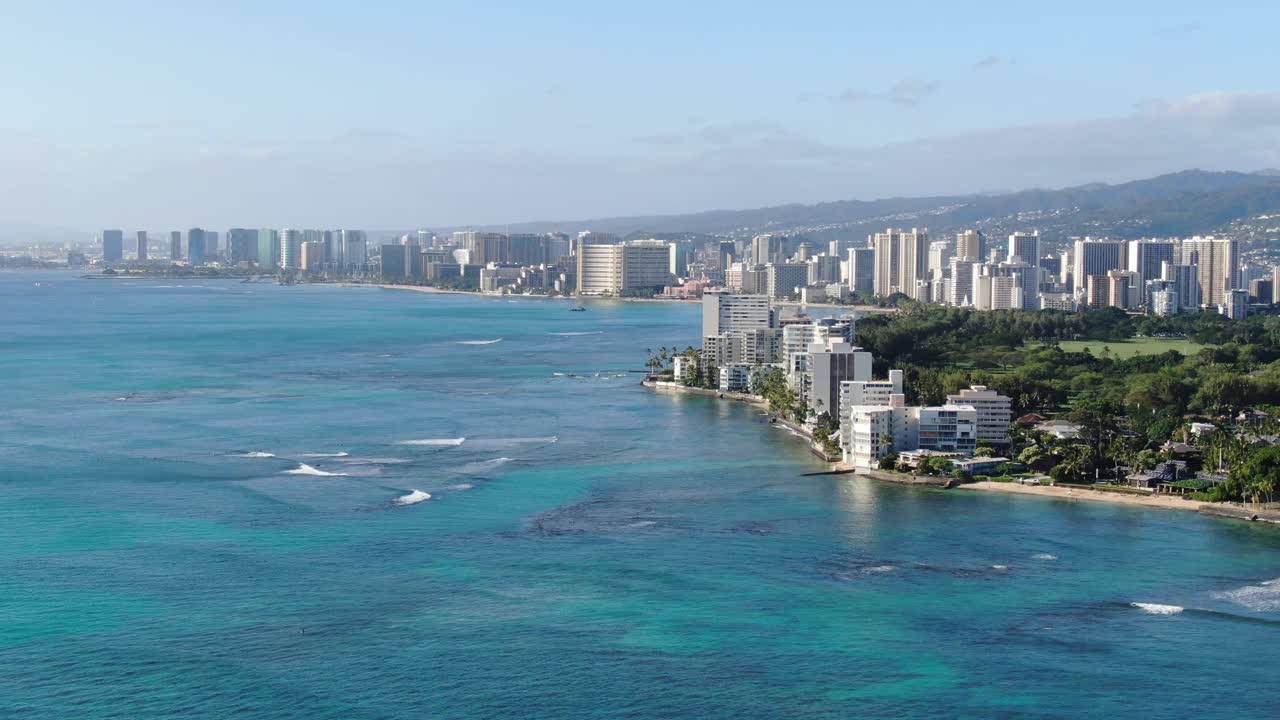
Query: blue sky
[(390, 114)]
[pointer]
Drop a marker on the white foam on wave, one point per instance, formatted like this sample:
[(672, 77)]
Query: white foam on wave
[(879, 569), (479, 342), (643, 524), (999, 567), (255, 454), (504, 442), (1045, 556), (416, 496), (305, 469), (1263, 597), (435, 442), (460, 486), (337, 454), (576, 334), (1157, 608), (484, 465)]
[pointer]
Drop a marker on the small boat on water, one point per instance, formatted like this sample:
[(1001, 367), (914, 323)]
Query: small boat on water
[(578, 308)]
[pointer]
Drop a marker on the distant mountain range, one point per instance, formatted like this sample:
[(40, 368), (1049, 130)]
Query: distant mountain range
[(1179, 204), (1184, 203)]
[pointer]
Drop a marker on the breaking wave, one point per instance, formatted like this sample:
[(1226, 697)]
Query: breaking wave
[(483, 465), (1263, 597), (1156, 608), (337, 454), (479, 342), (415, 496), (436, 442), (1045, 556), (255, 454), (575, 334), (305, 469)]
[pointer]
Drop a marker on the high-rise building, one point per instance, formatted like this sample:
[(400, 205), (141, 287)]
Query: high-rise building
[(994, 411), (396, 262), (1147, 257), (1096, 257), (960, 286), (211, 246), (1121, 292), (290, 248), (1025, 247), (175, 245), (724, 312), (195, 247), (1217, 263), (829, 364), (1235, 304), (268, 255), (312, 260), (1260, 290), (768, 248), (862, 271), (242, 245), (783, 279), (902, 258), (824, 269), (1275, 285), (355, 251), (112, 245), (142, 245), (1185, 281), (971, 245), (939, 259), (620, 267)]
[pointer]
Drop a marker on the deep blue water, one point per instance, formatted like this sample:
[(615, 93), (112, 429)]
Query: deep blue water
[(590, 550)]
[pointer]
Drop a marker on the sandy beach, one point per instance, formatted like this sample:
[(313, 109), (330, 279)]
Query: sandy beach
[(1167, 502)]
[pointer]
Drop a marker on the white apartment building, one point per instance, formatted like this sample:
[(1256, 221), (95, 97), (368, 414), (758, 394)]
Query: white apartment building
[(611, 269), (994, 412), (797, 338), (827, 365), (724, 312), (735, 377), (876, 430), (864, 393)]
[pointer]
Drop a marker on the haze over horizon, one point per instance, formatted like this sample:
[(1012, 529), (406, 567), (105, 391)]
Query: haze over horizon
[(403, 116)]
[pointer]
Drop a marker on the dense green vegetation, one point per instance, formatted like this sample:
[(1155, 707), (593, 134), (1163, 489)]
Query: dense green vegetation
[(1127, 407)]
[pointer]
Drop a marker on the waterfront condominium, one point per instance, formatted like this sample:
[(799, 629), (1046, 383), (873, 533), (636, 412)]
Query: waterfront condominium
[(290, 248), (268, 248), (862, 271), (993, 409), (724, 312), (195, 246), (112, 245), (142, 245), (175, 245), (612, 269)]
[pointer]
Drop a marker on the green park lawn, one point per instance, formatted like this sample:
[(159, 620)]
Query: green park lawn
[(1132, 348)]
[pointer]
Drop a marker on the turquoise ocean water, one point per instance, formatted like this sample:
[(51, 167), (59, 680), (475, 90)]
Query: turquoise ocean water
[(589, 550)]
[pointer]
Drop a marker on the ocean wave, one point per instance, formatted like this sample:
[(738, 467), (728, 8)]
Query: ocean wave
[(435, 442), (305, 469), (483, 465), (1263, 597), (879, 569), (375, 461), (999, 567), (459, 486), (504, 442), (1045, 556), (415, 496), (255, 454), (1157, 608), (337, 454), (479, 342), (576, 334)]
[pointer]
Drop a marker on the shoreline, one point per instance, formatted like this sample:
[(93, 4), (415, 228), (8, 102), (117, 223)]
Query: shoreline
[(1153, 501)]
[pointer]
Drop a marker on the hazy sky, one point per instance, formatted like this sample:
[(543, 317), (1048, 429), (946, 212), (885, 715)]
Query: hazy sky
[(404, 114)]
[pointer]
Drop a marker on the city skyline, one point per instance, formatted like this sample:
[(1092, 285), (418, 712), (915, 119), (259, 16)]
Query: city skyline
[(668, 117)]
